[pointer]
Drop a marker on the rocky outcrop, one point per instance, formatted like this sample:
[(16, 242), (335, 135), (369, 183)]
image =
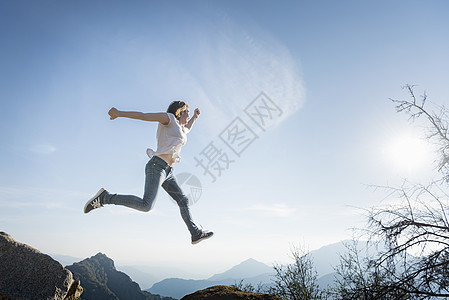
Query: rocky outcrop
[(26, 273), (102, 281), (222, 292)]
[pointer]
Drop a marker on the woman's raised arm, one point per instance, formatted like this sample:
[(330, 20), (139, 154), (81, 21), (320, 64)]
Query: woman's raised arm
[(151, 117), (193, 119)]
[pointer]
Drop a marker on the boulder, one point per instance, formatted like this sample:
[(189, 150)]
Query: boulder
[(26, 273), (222, 292)]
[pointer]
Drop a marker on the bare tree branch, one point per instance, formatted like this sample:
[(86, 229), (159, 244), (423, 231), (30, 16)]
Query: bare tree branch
[(411, 233)]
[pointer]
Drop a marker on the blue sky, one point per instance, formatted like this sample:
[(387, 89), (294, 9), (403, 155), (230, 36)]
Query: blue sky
[(329, 66)]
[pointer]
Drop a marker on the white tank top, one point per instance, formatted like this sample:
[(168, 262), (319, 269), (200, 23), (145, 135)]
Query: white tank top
[(170, 139)]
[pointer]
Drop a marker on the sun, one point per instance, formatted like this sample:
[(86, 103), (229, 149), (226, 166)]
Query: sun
[(408, 152)]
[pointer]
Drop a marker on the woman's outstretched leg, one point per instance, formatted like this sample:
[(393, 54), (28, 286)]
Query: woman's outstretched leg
[(174, 190), (155, 174)]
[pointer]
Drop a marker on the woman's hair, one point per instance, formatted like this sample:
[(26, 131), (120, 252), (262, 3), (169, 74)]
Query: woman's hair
[(176, 107)]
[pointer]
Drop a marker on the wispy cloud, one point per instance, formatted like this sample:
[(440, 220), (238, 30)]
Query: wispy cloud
[(232, 66)]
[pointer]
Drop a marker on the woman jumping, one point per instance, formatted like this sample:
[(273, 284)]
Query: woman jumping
[(171, 136)]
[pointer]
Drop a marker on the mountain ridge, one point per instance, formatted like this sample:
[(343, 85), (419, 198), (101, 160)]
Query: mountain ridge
[(246, 269), (101, 280), (250, 271), (324, 259)]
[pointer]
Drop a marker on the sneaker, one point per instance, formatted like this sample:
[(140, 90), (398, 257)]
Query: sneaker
[(96, 201), (203, 235)]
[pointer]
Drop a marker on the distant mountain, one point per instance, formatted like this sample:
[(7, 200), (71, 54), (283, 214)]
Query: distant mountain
[(178, 288), (327, 280), (101, 280), (65, 260), (144, 279), (250, 271), (326, 258), (146, 275), (248, 268)]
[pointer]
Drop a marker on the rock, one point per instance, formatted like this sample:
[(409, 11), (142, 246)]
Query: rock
[(102, 281), (222, 292), (26, 273)]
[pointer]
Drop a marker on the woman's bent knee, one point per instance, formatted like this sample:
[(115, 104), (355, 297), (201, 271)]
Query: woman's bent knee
[(147, 205)]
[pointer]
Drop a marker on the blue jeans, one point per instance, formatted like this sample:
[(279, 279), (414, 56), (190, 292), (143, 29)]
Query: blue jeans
[(158, 173)]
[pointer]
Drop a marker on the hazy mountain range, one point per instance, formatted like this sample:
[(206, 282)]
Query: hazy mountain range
[(250, 271)]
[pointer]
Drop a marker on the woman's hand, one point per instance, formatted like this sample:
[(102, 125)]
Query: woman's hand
[(192, 120), (113, 113), (196, 113)]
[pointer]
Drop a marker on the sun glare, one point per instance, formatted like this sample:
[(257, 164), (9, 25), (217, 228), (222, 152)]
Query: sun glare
[(408, 153)]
